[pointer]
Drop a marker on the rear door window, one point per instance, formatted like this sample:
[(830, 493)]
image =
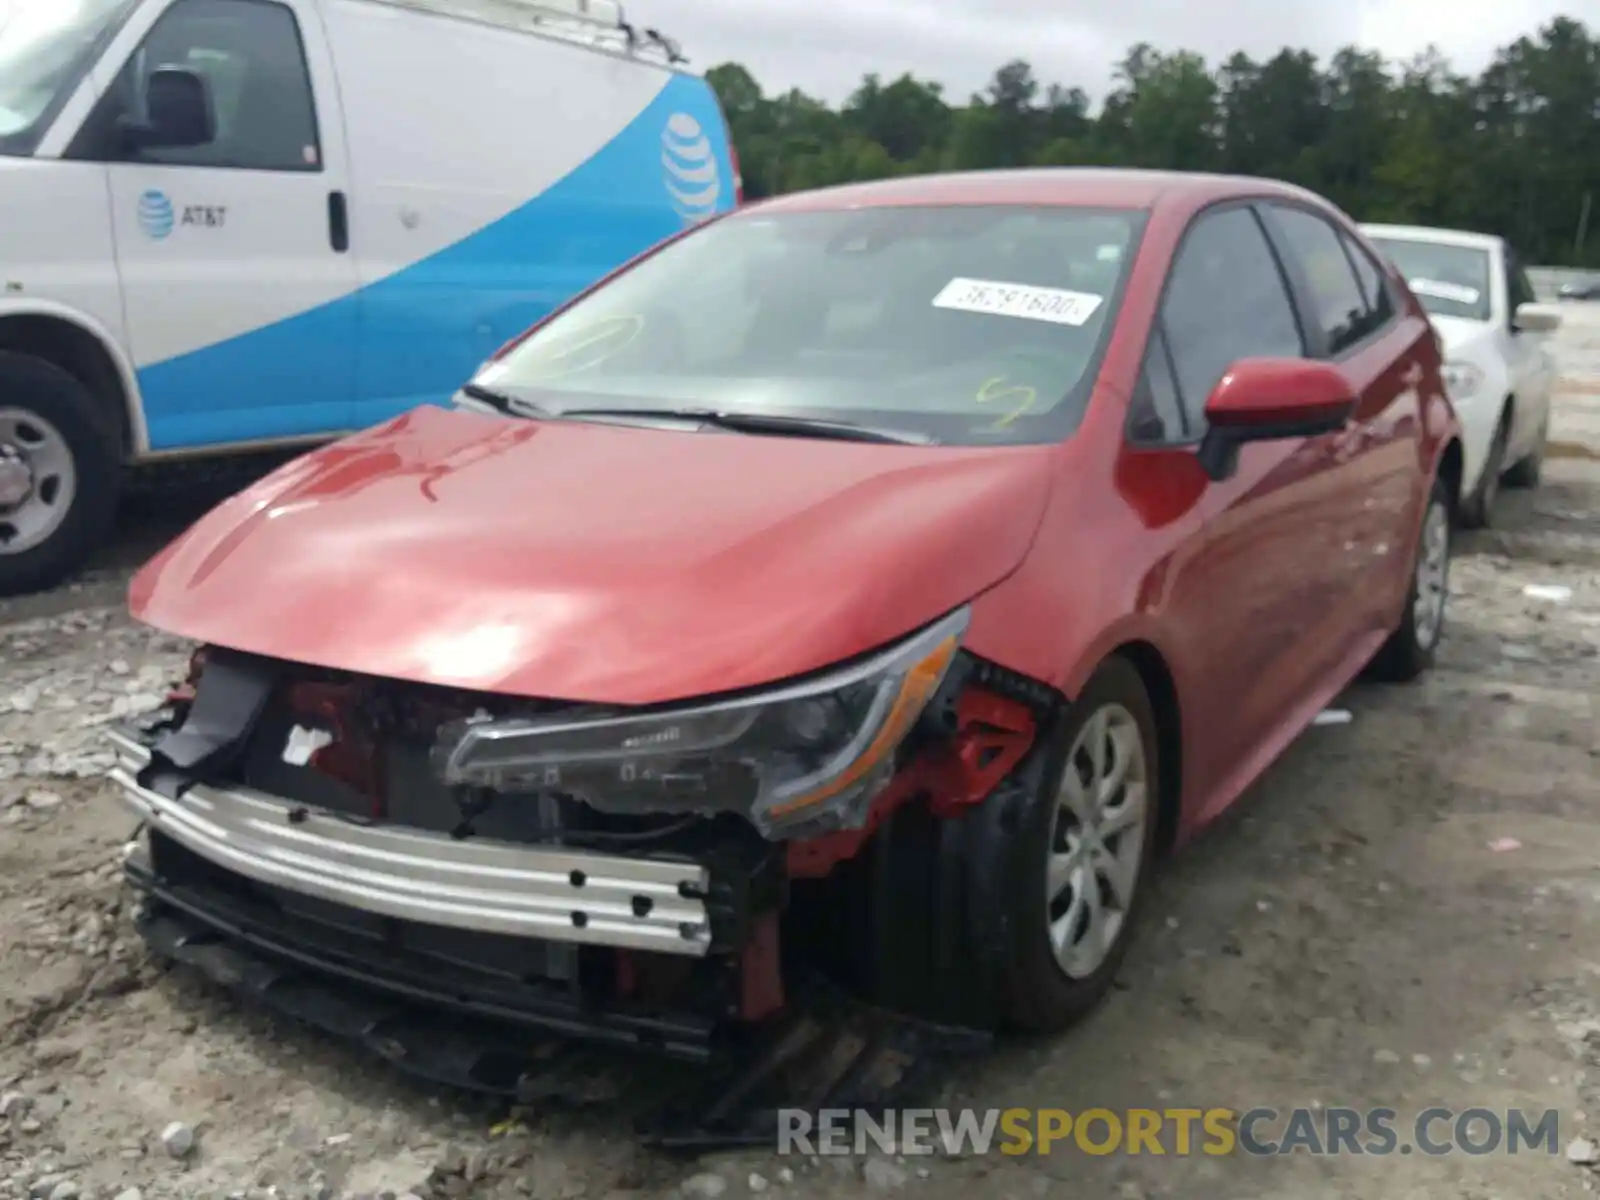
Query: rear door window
[(1341, 307)]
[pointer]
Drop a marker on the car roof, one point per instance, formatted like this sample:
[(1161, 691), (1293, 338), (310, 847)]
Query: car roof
[(1087, 187), (1428, 233)]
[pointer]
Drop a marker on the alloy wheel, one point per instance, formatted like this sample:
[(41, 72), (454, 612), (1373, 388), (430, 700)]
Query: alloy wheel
[(1097, 840), (1432, 583)]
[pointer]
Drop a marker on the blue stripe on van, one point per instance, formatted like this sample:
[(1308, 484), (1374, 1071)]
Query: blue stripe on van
[(426, 328)]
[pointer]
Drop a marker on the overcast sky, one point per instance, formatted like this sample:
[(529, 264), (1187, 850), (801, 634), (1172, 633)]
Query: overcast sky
[(825, 46)]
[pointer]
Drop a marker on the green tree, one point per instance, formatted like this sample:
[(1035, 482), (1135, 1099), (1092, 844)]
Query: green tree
[(1356, 91), (1163, 113), (908, 118), (1514, 151)]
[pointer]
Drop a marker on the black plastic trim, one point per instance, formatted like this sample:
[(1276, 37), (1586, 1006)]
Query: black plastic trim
[(194, 917)]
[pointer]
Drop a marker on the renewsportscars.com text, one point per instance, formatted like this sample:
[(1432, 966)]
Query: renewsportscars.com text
[(1258, 1132)]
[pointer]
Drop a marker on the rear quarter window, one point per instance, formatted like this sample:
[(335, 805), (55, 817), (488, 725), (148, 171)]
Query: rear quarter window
[(1374, 285)]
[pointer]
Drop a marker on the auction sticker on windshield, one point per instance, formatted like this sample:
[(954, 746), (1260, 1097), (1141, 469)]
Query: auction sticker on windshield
[(1018, 300), (1439, 290)]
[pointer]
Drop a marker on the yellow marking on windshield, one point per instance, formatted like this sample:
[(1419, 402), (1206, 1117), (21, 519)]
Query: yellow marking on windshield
[(999, 391)]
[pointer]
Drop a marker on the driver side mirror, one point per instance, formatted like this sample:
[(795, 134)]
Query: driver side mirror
[(1271, 399), (180, 110)]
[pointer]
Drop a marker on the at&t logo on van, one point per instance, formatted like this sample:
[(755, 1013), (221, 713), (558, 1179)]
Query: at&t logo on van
[(156, 215), (690, 168)]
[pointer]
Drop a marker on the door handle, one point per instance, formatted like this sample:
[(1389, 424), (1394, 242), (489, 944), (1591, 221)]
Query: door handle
[(338, 222)]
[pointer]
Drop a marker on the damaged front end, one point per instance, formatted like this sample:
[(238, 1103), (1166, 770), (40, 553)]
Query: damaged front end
[(620, 876)]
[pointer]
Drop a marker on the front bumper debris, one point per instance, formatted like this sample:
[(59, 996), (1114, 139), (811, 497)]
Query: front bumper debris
[(555, 894), (532, 1046), (233, 935), (498, 962)]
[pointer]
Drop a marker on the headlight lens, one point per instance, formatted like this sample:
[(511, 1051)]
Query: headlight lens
[(1462, 380), (805, 758)]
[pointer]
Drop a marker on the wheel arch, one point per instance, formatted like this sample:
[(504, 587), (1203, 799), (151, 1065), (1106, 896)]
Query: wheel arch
[(1508, 410), (85, 349), (1451, 470), (1162, 688)]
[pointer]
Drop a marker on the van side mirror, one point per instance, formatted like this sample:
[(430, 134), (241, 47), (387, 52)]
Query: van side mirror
[(1268, 399), (180, 111)]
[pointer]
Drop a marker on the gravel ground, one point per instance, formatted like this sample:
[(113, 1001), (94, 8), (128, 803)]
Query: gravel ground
[(1405, 912)]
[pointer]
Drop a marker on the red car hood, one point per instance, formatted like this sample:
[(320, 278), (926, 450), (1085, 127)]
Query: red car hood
[(591, 562)]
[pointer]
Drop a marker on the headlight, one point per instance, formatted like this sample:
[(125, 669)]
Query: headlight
[(808, 756), (1462, 380)]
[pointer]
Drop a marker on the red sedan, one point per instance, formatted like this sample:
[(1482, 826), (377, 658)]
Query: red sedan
[(885, 573)]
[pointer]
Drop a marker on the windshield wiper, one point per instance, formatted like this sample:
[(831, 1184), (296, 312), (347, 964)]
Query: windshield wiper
[(505, 402), (745, 422)]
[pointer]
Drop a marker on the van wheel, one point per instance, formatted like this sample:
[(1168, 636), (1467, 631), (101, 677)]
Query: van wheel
[(1019, 913), (1477, 510), (59, 474)]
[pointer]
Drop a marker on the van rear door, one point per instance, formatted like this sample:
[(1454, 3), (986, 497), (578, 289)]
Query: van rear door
[(234, 255)]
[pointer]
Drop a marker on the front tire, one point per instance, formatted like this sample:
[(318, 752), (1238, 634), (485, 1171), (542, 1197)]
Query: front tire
[(59, 474), (1079, 860), (1019, 912), (1413, 645)]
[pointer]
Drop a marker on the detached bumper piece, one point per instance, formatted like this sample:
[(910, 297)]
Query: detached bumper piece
[(312, 960), (533, 1047), (831, 1053)]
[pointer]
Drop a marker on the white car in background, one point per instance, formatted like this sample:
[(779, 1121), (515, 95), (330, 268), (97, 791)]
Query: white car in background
[(1498, 368)]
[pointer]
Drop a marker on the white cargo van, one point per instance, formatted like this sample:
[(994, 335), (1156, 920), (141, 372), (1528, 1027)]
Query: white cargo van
[(237, 223)]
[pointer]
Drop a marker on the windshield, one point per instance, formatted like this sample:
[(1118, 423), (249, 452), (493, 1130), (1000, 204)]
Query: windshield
[(968, 325), (46, 46), (1451, 281)]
